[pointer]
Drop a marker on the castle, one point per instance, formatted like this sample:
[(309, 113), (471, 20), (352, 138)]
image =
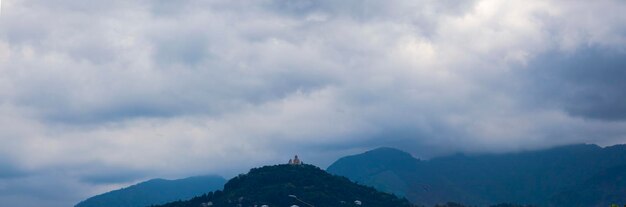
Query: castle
[(295, 161)]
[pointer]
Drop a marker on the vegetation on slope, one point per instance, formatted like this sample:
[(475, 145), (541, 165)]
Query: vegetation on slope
[(540, 177), (286, 185)]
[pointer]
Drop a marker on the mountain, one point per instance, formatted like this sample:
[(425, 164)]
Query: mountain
[(542, 177), (603, 189), (287, 185), (383, 168), (156, 191)]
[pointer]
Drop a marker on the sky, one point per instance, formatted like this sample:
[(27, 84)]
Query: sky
[(96, 95)]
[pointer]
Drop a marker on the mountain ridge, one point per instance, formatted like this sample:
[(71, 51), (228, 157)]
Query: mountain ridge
[(531, 177), (155, 191)]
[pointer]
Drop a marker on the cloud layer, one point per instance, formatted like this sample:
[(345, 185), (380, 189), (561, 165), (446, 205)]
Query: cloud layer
[(98, 94)]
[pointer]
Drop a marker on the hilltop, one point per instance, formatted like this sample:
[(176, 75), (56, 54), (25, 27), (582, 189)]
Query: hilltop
[(286, 185)]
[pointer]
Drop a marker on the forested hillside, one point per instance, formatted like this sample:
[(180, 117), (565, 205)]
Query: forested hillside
[(578, 175)]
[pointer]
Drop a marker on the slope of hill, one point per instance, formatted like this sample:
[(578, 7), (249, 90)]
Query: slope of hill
[(383, 168), (156, 191), (532, 177), (603, 189), (286, 185)]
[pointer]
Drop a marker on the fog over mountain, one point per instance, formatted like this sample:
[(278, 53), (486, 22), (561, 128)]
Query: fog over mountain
[(96, 95)]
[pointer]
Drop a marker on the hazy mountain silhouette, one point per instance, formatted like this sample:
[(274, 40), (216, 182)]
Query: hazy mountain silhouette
[(156, 191), (577, 174)]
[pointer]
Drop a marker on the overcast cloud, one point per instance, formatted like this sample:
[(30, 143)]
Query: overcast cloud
[(95, 95)]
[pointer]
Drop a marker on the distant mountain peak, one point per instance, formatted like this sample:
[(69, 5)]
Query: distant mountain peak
[(155, 191), (385, 161), (388, 150), (387, 153)]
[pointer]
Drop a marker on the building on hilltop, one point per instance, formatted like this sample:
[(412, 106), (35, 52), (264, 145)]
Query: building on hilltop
[(295, 161)]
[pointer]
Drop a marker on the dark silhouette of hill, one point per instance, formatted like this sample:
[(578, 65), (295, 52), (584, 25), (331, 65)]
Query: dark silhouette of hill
[(273, 185), (156, 191), (543, 177)]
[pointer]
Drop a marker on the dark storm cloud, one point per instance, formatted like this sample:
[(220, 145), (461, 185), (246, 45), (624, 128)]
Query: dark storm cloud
[(181, 47), (370, 10), (9, 170), (112, 113), (588, 82), (423, 15), (184, 76)]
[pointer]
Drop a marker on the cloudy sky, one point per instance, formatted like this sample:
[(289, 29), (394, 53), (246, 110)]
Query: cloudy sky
[(95, 95)]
